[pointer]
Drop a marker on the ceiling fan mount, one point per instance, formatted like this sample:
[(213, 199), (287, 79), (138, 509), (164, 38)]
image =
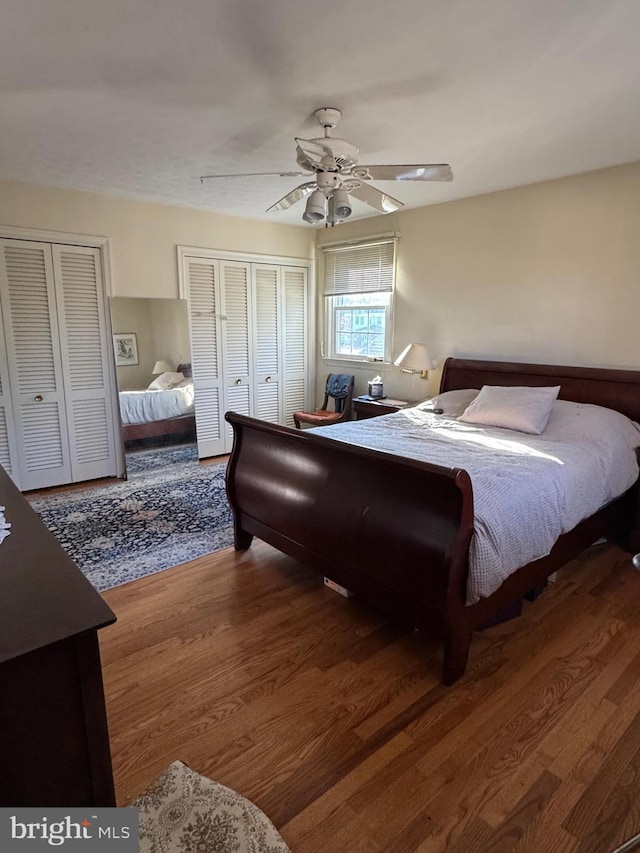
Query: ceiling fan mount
[(333, 166), (328, 153), (328, 116)]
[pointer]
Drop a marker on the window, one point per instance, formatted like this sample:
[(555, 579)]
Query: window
[(358, 292)]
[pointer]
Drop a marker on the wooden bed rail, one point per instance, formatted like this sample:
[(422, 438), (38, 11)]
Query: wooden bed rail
[(395, 531)]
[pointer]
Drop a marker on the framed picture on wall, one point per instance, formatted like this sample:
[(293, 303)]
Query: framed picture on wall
[(126, 349)]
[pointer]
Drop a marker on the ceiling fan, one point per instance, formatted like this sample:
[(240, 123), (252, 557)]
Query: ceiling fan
[(333, 166)]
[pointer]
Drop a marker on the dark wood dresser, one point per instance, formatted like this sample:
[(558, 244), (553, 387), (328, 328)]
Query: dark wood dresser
[(54, 741)]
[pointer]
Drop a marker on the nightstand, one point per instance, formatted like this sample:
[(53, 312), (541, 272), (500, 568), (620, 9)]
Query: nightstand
[(373, 408)]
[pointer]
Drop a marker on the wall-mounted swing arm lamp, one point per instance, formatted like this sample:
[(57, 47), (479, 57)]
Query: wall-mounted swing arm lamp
[(415, 358)]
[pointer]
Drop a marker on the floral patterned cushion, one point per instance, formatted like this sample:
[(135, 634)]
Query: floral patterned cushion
[(184, 811)]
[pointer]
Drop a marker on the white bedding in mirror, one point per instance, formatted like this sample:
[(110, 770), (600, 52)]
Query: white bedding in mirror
[(138, 407)]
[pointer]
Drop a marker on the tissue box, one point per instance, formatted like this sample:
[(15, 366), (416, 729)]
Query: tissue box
[(375, 390)]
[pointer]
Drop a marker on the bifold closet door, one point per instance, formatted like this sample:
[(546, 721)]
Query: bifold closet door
[(280, 334), (27, 291), (267, 302), (236, 325), (203, 292), (8, 451), (248, 344), (294, 332), (86, 350), (57, 351)]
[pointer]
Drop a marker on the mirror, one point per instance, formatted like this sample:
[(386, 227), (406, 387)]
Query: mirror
[(147, 332)]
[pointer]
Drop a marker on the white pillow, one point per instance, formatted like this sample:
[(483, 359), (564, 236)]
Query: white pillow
[(521, 409), (166, 381), (453, 403), (585, 421)]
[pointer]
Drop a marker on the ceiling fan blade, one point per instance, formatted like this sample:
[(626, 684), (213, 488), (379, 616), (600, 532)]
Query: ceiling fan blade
[(374, 197), (256, 175), (424, 172), (295, 195)]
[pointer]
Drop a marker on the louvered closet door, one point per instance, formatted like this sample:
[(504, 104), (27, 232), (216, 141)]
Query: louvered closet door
[(267, 342), (236, 343), (35, 368), (8, 452), (83, 340), (203, 285), (294, 331)]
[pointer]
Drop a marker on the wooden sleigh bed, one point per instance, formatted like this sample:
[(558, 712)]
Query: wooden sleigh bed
[(181, 428), (397, 531)]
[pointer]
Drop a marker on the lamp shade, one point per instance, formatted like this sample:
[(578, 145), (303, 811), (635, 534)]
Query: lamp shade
[(414, 358), (341, 204), (315, 210), (162, 367)]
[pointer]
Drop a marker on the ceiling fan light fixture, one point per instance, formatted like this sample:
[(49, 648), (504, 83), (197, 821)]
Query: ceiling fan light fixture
[(335, 177), (315, 210), (341, 204)]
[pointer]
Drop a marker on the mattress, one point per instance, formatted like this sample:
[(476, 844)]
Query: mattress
[(137, 407), (527, 489)]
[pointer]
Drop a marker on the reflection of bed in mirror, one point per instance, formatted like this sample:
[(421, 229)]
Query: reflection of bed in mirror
[(160, 412), (161, 327)]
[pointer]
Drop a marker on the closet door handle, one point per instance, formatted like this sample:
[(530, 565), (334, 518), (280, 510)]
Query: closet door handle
[(238, 382), (38, 398), (267, 379)]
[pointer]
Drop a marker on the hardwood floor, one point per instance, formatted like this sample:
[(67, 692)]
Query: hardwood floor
[(335, 723)]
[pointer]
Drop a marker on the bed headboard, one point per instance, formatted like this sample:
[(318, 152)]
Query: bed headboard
[(616, 389)]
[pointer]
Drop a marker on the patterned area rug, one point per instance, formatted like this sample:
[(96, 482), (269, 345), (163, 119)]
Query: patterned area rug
[(169, 511), (184, 812)]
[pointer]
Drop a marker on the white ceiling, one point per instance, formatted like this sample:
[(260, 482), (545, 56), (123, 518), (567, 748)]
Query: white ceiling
[(137, 98)]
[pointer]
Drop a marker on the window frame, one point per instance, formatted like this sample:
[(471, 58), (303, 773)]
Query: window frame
[(383, 283), (332, 306)]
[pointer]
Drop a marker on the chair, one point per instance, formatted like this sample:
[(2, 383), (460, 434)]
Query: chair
[(339, 387)]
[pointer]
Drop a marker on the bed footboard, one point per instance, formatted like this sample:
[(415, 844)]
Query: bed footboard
[(393, 530)]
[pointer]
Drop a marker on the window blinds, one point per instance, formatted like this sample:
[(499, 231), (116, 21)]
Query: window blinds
[(363, 268)]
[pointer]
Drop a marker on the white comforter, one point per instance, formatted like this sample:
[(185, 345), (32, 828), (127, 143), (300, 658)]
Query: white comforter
[(138, 407), (527, 489)]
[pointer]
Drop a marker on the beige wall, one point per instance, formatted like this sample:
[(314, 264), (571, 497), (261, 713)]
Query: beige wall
[(132, 316), (143, 235), (548, 272), (161, 327), (170, 328)]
